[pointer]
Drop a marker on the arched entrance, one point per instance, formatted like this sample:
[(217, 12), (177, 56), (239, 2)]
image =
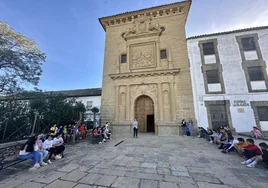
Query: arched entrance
[(144, 113)]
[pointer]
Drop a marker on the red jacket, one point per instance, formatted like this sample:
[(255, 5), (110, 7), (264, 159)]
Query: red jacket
[(254, 148)]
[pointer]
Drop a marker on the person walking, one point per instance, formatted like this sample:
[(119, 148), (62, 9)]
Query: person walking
[(135, 128)]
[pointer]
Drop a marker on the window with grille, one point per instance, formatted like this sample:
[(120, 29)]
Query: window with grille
[(255, 74), (262, 113), (163, 54), (248, 44), (123, 58), (212, 76), (208, 48)]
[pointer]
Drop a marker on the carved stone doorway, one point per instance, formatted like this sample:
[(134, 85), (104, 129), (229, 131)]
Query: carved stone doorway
[(144, 109)]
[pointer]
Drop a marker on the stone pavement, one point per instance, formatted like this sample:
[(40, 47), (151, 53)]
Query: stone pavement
[(147, 162)]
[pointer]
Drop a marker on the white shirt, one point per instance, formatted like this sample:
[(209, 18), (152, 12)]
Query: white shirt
[(47, 144), (57, 141), (135, 124)]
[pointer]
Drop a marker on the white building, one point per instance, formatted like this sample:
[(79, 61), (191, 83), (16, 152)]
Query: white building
[(229, 78), (89, 97)]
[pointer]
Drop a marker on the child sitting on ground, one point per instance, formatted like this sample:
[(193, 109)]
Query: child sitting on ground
[(259, 158), (48, 145), (256, 133), (251, 151)]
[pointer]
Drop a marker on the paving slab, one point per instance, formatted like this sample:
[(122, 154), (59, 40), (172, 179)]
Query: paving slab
[(74, 176), (90, 178), (105, 180), (148, 165), (31, 185), (211, 185), (84, 186), (123, 182), (49, 177), (61, 184), (168, 185), (148, 184), (68, 168), (144, 176)]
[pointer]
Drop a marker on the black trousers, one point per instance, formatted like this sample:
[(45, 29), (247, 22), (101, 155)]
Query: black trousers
[(135, 132), (51, 152), (59, 149)]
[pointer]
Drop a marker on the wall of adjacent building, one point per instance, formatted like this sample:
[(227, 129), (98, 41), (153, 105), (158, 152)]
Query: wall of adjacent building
[(235, 84)]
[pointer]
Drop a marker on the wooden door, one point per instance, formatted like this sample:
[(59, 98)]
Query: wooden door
[(144, 106)]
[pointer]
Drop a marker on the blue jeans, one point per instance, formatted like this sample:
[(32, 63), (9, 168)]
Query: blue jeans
[(184, 130), (43, 155), (35, 155)]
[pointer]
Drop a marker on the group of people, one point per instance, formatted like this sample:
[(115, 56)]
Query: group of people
[(38, 149), (187, 128), (67, 132), (104, 132), (224, 139)]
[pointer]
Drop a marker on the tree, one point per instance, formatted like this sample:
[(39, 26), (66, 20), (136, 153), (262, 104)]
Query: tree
[(20, 60), (94, 110)]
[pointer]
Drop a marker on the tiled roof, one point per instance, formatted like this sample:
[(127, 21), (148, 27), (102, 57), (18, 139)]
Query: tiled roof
[(67, 93), (160, 6), (228, 32), (78, 92)]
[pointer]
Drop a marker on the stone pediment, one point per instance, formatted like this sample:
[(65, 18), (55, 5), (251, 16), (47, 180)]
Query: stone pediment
[(143, 27), (145, 73)]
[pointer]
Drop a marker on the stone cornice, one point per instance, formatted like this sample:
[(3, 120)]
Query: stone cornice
[(158, 11), (145, 73)]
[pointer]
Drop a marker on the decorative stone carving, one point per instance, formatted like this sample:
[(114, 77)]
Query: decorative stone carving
[(142, 26), (143, 56), (167, 73), (136, 90)]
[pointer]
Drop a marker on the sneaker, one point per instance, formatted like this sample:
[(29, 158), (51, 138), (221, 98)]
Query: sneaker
[(250, 166), (57, 157), (37, 165), (49, 161), (32, 169), (43, 164), (224, 151), (244, 162)]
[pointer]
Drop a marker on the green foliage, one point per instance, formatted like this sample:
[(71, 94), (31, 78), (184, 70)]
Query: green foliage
[(95, 110), (20, 60), (50, 109)]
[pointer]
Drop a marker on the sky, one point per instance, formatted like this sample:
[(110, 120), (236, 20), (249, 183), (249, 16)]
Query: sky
[(69, 32)]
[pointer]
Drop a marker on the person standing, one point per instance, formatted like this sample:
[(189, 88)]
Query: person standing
[(135, 128), (190, 127), (184, 127)]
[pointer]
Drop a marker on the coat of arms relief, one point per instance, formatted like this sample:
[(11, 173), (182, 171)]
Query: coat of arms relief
[(142, 55), (142, 25)]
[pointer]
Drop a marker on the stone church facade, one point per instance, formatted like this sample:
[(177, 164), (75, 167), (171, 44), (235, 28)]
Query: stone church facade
[(146, 74)]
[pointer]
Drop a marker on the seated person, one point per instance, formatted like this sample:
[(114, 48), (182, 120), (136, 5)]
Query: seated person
[(30, 151), (256, 133), (213, 135), (240, 146), (251, 151), (263, 157), (95, 132), (43, 152), (48, 145), (59, 146), (202, 133)]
